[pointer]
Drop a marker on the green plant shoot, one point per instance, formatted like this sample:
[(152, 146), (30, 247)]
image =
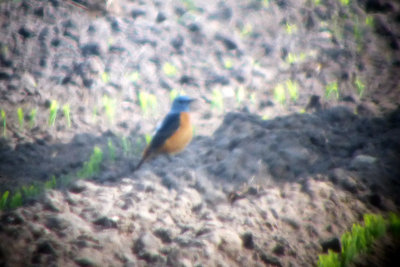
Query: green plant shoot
[(32, 118), (394, 224), (217, 100), (293, 90), (148, 138), (111, 149), (290, 28), (329, 260), (126, 145), (4, 119), (92, 166), (169, 69), (345, 2), (246, 30), (173, 94), (109, 107), (66, 111), (53, 112), (228, 64), (16, 200), (369, 21), (3, 200), (332, 88), (279, 94), (105, 77), (52, 183), (134, 76), (240, 94), (360, 86), (21, 119)]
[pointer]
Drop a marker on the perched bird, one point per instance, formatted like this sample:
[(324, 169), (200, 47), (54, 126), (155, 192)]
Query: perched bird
[(174, 133)]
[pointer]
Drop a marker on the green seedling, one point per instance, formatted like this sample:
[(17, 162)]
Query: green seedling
[(265, 117), (143, 102), (53, 112), (279, 94), (369, 21), (329, 260), (147, 101), (169, 69), (228, 64), (16, 200), (4, 120), (293, 90), (394, 224), (189, 4), (265, 3), (246, 30), (134, 76), (217, 100), (332, 89), (21, 119), (360, 86), (66, 111), (173, 94), (293, 58), (31, 191), (290, 28), (147, 138), (126, 145), (32, 118), (344, 2), (240, 94), (105, 77), (92, 166), (253, 98), (317, 2), (356, 241), (111, 149), (52, 183), (3, 200), (109, 107)]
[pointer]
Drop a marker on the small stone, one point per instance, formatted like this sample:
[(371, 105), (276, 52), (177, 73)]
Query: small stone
[(45, 247), (56, 223), (177, 42), (147, 246), (137, 13), (279, 249), (106, 222), (228, 43), (362, 162), (164, 235), (332, 244), (90, 49), (26, 33), (247, 240), (193, 27), (161, 17), (85, 262), (270, 260)]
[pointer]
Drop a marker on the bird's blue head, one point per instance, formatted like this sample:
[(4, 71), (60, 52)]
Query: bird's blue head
[(181, 104)]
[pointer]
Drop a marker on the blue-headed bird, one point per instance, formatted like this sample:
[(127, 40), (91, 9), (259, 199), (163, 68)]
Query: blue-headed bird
[(174, 133)]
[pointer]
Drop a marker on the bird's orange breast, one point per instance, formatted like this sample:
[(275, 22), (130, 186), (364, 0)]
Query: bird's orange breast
[(181, 138)]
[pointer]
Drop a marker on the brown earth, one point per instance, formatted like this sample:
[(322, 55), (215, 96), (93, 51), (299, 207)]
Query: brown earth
[(262, 183)]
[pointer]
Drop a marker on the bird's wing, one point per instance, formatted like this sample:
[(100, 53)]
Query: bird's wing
[(167, 128)]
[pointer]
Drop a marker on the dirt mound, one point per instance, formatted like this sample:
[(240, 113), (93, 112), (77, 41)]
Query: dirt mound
[(271, 193), (296, 129)]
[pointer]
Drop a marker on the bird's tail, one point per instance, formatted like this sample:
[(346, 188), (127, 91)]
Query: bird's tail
[(145, 156)]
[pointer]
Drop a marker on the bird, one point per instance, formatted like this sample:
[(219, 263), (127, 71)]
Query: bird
[(173, 134)]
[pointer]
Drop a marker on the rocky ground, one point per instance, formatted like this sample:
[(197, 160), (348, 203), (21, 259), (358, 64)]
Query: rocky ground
[(297, 129)]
